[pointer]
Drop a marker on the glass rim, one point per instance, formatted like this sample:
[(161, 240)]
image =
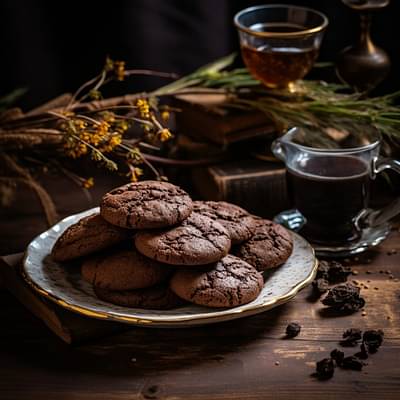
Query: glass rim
[(308, 31), (346, 150)]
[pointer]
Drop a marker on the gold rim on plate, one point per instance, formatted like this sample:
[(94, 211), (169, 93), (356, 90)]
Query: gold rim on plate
[(178, 320)]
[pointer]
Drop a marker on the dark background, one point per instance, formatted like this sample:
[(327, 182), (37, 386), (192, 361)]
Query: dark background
[(51, 47)]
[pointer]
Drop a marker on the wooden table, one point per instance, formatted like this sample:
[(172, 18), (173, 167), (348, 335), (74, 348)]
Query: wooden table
[(243, 359)]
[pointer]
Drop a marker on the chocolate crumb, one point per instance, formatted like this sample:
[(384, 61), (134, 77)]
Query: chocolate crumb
[(277, 362), (363, 314), (352, 362), (376, 288), (325, 368), (369, 272), (293, 329), (372, 340), (344, 298), (391, 276), (392, 252), (333, 271), (355, 272), (320, 286), (351, 337), (337, 355), (363, 353)]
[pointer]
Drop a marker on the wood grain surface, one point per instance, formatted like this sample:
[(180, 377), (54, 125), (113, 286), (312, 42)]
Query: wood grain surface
[(244, 359)]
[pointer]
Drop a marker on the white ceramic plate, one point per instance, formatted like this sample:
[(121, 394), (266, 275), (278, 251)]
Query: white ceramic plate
[(64, 286)]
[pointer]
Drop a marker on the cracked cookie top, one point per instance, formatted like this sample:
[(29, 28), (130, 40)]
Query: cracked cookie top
[(88, 235), (124, 270), (269, 247), (146, 205), (228, 283), (197, 241), (237, 221)]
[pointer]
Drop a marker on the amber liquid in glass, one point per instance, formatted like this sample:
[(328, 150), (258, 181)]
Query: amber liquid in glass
[(277, 66)]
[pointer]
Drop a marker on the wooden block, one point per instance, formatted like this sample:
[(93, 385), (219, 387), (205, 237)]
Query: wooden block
[(68, 326), (255, 185)]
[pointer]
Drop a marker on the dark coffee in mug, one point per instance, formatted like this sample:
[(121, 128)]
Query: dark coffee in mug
[(330, 192)]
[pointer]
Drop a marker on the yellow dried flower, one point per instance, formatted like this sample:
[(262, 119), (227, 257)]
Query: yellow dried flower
[(112, 142), (74, 148), (108, 116), (165, 115), (164, 134), (95, 94), (122, 126), (143, 108), (115, 140), (102, 128), (79, 124), (135, 173), (109, 65), (85, 136), (95, 139), (119, 70), (88, 183)]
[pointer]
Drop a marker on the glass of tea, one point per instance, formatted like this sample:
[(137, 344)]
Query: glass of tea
[(279, 43), (331, 187)]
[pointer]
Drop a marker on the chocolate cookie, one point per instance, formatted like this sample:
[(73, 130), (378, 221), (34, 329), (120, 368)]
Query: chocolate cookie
[(124, 270), (145, 205), (269, 247), (228, 283), (87, 236), (159, 297), (238, 222), (198, 240)]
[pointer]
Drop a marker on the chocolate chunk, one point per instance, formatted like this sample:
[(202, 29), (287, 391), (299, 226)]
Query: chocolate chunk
[(372, 340), (363, 353), (352, 362), (351, 337), (344, 298), (293, 329), (320, 286), (353, 306), (338, 272), (338, 356), (333, 271), (323, 270), (325, 368)]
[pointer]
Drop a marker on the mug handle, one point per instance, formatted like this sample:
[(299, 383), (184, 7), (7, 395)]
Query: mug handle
[(373, 218)]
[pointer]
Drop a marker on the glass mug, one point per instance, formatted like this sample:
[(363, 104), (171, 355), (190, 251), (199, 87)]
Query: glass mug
[(331, 187), (279, 43)]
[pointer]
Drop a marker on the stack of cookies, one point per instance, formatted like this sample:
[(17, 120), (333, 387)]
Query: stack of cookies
[(151, 246)]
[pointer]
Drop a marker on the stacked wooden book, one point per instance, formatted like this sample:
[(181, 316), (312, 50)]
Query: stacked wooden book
[(250, 176)]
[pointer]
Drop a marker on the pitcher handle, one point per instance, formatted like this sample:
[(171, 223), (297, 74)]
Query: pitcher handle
[(372, 218), (278, 150)]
